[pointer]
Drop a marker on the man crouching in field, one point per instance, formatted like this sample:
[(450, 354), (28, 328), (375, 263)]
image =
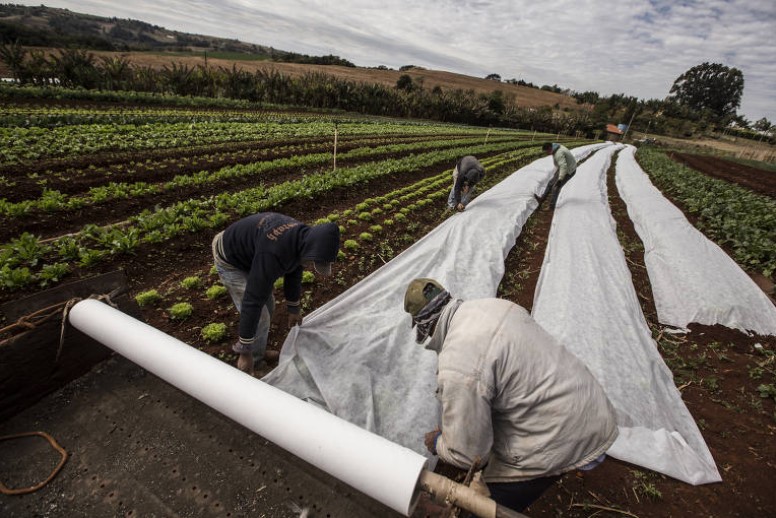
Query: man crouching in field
[(251, 254)]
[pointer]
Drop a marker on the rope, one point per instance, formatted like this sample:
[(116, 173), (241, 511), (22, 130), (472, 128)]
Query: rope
[(41, 316), (33, 320), (107, 298), (23, 491)]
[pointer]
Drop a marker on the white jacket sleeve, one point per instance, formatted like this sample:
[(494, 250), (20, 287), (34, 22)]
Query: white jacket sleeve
[(467, 430)]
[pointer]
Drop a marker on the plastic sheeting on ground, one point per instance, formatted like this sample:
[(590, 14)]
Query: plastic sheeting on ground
[(693, 279), (356, 356), (586, 299)]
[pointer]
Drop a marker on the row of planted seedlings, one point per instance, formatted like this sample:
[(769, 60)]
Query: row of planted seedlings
[(163, 164), (26, 115), (35, 143), (27, 260), (56, 201), (196, 308), (734, 217), (378, 228), (373, 232)]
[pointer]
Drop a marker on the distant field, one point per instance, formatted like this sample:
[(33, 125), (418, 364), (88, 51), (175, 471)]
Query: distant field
[(231, 56), (754, 163), (526, 97), (749, 152)]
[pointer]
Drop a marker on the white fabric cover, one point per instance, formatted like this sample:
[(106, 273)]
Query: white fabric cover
[(693, 279), (356, 355), (586, 299)]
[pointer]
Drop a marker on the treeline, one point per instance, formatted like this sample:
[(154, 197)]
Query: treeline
[(668, 117), (80, 69)]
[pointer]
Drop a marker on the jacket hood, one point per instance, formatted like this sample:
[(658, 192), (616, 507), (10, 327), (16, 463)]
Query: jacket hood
[(321, 243)]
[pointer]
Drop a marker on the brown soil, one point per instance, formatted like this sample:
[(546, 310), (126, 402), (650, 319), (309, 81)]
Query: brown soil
[(717, 370), (758, 180), (713, 368)]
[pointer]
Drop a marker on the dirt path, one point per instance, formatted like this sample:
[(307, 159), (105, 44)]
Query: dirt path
[(758, 180), (713, 368)]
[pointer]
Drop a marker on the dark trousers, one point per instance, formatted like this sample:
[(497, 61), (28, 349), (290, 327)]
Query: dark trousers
[(519, 495), (556, 189)]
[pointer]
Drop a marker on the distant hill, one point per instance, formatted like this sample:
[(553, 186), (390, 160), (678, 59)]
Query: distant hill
[(41, 26), (150, 45)]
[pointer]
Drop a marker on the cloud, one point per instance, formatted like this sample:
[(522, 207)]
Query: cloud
[(638, 48)]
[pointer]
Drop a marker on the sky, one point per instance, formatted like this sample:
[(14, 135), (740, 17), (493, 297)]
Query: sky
[(635, 47)]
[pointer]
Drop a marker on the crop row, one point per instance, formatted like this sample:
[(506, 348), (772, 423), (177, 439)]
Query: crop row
[(75, 175), (24, 144), (55, 201), (396, 220), (50, 117), (26, 260), (733, 216), (395, 215)]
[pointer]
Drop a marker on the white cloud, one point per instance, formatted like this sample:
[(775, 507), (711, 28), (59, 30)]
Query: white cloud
[(638, 48)]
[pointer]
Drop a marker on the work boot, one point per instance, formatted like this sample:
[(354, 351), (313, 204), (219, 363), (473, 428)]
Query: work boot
[(245, 362)]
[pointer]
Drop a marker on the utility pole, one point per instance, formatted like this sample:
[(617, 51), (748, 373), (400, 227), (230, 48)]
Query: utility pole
[(629, 125)]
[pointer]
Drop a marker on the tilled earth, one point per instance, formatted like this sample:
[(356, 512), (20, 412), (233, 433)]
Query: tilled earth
[(758, 180), (715, 368)]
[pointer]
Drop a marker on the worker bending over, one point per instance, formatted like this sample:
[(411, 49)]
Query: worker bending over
[(251, 254), (510, 395), (467, 173), (565, 167)]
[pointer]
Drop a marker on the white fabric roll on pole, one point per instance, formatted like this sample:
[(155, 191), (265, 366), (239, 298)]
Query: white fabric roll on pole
[(332, 444)]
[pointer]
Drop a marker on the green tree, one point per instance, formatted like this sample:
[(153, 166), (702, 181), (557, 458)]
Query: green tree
[(762, 125), (405, 83), (13, 55), (710, 86)]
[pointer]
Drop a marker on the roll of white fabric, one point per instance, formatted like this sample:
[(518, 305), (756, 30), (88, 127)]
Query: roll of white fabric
[(312, 434)]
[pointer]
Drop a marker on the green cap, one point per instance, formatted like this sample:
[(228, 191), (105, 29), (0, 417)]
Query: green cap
[(419, 293)]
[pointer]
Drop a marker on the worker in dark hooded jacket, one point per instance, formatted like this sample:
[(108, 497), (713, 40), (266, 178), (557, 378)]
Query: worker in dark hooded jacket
[(251, 254), (511, 395), (467, 173)]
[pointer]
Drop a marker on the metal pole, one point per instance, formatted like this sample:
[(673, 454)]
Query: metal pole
[(335, 146)]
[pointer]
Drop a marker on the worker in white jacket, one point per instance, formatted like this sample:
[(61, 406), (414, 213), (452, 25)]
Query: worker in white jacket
[(565, 167), (510, 395)]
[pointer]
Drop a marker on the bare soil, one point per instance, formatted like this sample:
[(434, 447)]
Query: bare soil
[(713, 368), (758, 180)]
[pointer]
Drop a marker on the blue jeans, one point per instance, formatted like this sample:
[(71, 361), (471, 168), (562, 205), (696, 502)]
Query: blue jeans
[(235, 281), (465, 197)]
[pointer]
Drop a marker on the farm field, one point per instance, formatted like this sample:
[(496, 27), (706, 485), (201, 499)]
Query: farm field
[(751, 177), (91, 190)]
